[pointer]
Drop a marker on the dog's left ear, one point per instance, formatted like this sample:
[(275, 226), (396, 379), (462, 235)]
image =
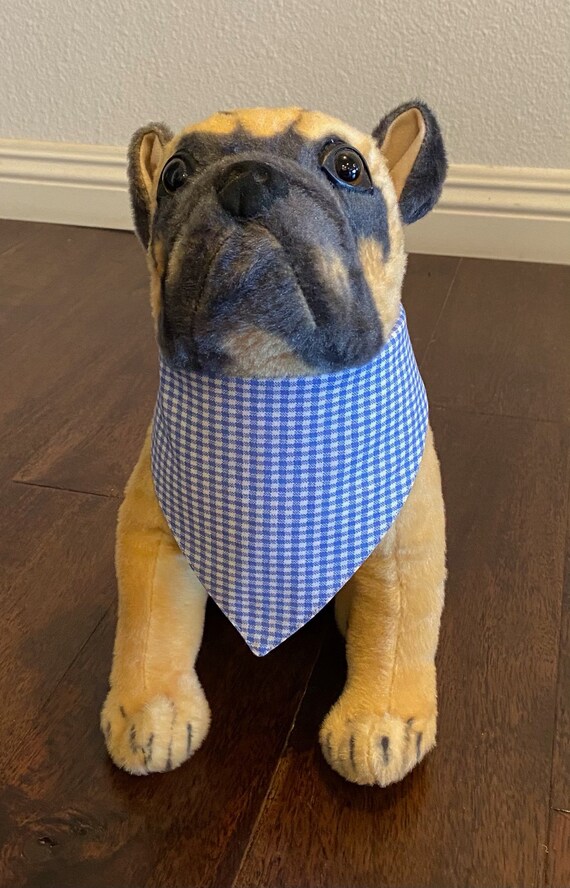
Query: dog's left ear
[(411, 143), (145, 158)]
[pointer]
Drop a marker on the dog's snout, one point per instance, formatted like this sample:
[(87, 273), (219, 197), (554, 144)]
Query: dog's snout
[(249, 188)]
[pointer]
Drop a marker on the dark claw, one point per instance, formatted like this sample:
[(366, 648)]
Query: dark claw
[(149, 749), (352, 751), (132, 738), (189, 740), (385, 744), (169, 759), (419, 746), (122, 711)]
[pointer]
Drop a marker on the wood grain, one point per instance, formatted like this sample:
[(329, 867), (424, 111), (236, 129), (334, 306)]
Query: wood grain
[(561, 759), (56, 551), (14, 235), (558, 872), (475, 813), (79, 351), (427, 286), (558, 859), (502, 343)]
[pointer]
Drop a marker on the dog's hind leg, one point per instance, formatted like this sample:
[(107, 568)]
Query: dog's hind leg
[(385, 720), (155, 715)]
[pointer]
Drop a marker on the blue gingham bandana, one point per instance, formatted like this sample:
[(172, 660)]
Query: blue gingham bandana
[(277, 490)]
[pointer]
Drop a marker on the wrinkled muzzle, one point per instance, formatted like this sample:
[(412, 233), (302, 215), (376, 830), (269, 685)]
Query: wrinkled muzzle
[(260, 243)]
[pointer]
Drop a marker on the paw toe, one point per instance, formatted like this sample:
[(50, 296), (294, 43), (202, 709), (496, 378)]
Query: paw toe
[(374, 749), (157, 735)]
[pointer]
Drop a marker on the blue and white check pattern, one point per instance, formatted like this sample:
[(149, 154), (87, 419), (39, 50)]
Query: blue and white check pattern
[(277, 490)]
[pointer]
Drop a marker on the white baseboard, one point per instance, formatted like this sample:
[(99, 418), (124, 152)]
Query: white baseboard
[(485, 211), (499, 213), (60, 182)]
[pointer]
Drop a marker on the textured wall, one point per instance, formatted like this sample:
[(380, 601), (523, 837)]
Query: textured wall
[(496, 71)]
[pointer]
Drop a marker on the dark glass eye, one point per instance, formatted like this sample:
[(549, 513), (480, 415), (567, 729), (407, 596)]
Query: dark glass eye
[(348, 165), (174, 174), (345, 166)]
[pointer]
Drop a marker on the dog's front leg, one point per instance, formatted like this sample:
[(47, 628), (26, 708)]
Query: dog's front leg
[(156, 714), (385, 720)]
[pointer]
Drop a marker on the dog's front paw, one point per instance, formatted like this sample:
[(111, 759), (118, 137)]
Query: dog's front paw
[(368, 748), (158, 734)]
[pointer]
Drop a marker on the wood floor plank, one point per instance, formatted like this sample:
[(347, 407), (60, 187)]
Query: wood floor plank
[(475, 813), (561, 758), (558, 860), (24, 238), (13, 234), (502, 342), (81, 364), (40, 265), (57, 582), (101, 431), (427, 285), (71, 818), (558, 871)]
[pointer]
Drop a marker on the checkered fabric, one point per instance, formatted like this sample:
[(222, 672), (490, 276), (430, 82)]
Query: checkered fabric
[(277, 490)]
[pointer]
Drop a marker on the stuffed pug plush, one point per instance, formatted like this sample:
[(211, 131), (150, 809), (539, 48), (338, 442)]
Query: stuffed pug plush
[(290, 459)]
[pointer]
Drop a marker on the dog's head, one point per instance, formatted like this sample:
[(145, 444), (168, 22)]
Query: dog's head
[(274, 236)]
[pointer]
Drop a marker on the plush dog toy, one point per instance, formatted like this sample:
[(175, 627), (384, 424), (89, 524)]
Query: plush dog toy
[(290, 458)]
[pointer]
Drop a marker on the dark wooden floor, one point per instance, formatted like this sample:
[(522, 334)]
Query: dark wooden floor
[(258, 807)]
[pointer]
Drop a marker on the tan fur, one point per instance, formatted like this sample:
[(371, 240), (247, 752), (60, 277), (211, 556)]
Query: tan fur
[(221, 124), (384, 279), (385, 720), (255, 352), (153, 155), (402, 145), (267, 121), (156, 262), (390, 614), (314, 125), (154, 688), (333, 271), (384, 275)]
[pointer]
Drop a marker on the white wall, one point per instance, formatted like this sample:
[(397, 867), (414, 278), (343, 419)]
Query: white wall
[(497, 72)]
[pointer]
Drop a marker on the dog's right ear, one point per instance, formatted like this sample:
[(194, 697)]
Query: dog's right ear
[(145, 158)]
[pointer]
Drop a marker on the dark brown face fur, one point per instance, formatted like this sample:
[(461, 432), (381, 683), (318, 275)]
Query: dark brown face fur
[(258, 248)]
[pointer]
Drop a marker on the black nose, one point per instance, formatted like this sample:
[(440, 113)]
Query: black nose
[(249, 188)]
